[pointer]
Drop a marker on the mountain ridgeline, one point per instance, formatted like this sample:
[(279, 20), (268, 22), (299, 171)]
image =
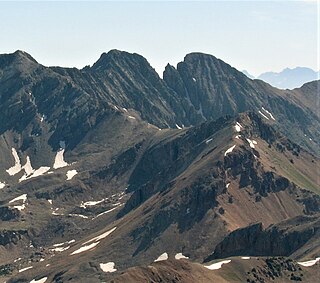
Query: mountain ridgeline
[(109, 168), (201, 88)]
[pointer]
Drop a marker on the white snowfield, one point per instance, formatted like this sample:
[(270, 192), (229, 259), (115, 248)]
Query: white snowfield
[(102, 236), (238, 127), (22, 198), (35, 173), (30, 172), (251, 142), (91, 203), (60, 249), (64, 243), (42, 280), (107, 211), (71, 173), (269, 113), (217, 265), (162, 257), (180, 256), (42, 170), (229, 150), (85, 248), (108, 267), (309, 262), (263, 115), (24, 269), (59, 160), (78, 215), (27, 167), (96, 240), (16, 168)]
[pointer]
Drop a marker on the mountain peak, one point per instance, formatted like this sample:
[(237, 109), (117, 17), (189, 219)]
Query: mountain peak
[(20, 54), (191, 57), (118, 57), (18, 57)]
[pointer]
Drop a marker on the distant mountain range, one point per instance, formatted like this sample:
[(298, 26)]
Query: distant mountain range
[(113, 174), (287, 78)]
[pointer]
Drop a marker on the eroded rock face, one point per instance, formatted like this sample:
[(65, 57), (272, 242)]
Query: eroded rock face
[(161, 163), (8, 237), (7, 214), (278, 240)]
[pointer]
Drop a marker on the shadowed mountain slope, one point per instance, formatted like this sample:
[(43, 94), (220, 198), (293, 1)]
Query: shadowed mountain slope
[(112, 164)]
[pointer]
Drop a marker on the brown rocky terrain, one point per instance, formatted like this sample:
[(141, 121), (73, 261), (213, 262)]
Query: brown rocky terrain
[(132, 169)]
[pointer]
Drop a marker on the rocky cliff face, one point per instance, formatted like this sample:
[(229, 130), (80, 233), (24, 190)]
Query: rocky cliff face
[(282, 239), (119, 157)]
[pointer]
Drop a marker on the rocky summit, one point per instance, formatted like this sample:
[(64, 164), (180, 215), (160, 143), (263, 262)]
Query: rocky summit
[(113, 174)]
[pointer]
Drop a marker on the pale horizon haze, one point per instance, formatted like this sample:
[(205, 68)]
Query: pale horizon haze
[(257, 36)]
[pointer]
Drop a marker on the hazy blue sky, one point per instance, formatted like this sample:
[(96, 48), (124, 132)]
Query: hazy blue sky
[(257, 36)]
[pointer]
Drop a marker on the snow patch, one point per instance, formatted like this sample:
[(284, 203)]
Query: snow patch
[(180, 256), (227, 185), (22, 198), (107, 211), (60, 249), (59, 159), (209, 140), (217, 265), (251, 142), (237, 137), (79, 215), (40, 171), (28, 167), (17, 165), (91, 203), (269, 113), (124, 109), (2, 185), (17, 259), (42, 280), (309, 262), (229, 150), (131, 117), (100, 237), (245, 257), (85, 248), (194, 79), (65, 243), (50, 201), (108, 267), (263, 115), (162, 257), (24, 269), (238, 127), (178, 127), (71, 173)]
